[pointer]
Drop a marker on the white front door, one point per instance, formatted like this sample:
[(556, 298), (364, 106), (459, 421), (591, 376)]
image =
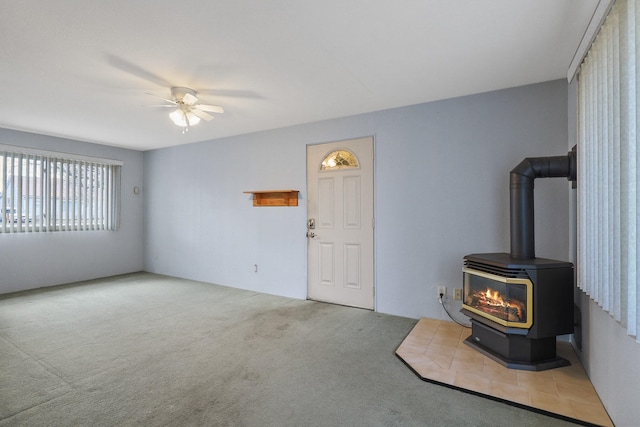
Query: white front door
[(340, 222)]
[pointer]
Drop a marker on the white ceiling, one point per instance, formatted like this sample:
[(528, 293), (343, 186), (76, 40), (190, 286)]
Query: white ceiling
[(81, 68)]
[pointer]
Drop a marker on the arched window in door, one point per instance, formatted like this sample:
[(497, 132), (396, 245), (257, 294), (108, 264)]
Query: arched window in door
[(340, 159)]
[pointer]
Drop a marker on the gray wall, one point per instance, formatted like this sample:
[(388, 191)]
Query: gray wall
[(608, 354), (441, 191), (33, 260)]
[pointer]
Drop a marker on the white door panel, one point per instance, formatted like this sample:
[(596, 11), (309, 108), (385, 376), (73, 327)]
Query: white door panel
[(340, 205)]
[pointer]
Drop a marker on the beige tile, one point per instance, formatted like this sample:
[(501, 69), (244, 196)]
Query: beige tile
[(539, 375), (579, 392), (426, 329), (416, 341), (409, 357), (464, 353), (436, 351), (552, 403), (444, 339), (573, 374), (462, 366), (595, 414), (537, 381), (497, 372), (474, 382), (425, 367), (493, 363), (450, 329), (510, 392), (435, 348), (411, 348), (442, 360)]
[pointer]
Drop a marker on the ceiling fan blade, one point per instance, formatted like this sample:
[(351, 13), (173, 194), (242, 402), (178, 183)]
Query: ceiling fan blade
[(136, 70), (201, 114), (164, 99), (189, 99), (210, 108), (230, 93), (158, 105)]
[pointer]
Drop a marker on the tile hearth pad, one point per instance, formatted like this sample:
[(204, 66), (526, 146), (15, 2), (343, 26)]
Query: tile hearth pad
[(436, 352)]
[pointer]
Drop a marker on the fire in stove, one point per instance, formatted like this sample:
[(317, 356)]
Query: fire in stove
[(504, 300), (494, 304)]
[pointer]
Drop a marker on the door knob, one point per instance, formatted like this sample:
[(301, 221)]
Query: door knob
[(311, 234)]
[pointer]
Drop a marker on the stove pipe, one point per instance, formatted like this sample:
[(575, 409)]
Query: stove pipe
[(521, 194)]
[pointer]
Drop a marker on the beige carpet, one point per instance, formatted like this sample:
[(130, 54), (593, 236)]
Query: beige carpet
[(436, 352)]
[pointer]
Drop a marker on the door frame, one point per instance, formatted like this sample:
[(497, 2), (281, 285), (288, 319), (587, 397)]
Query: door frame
[(373, 209)]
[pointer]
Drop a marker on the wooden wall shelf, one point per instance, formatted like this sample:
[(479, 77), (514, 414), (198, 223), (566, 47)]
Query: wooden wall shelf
[(274, 197)]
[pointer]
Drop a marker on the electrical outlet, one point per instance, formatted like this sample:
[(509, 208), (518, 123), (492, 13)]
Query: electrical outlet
[(457, 294), (442, 290)]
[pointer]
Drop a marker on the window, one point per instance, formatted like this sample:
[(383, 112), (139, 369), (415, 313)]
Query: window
[(339, 160), (608, 160), (46, 191)]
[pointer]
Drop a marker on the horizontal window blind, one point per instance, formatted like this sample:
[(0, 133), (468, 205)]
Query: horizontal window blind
[(44, 191), (608, 159)]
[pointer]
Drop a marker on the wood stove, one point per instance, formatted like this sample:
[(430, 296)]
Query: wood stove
[(517, 308), (518, 303)]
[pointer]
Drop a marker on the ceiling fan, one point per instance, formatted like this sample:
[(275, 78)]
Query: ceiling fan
[(188, 111)]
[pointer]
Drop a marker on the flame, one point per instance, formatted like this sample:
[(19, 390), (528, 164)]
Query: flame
[(493, 298)]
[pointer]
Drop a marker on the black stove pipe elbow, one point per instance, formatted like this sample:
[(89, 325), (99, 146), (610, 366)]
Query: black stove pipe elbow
[(521, 197)]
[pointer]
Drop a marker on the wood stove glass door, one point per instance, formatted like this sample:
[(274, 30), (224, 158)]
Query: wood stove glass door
[(507, 301), (340, 222)]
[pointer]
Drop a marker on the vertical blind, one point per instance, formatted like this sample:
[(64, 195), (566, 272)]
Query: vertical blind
[(608, 159), (46, 191)]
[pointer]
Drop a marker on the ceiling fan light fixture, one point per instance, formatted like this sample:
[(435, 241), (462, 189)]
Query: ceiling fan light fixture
[(180, 117), (188, 112)]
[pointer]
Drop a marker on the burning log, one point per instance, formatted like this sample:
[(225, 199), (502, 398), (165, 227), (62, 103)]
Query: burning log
[(492, 303)]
